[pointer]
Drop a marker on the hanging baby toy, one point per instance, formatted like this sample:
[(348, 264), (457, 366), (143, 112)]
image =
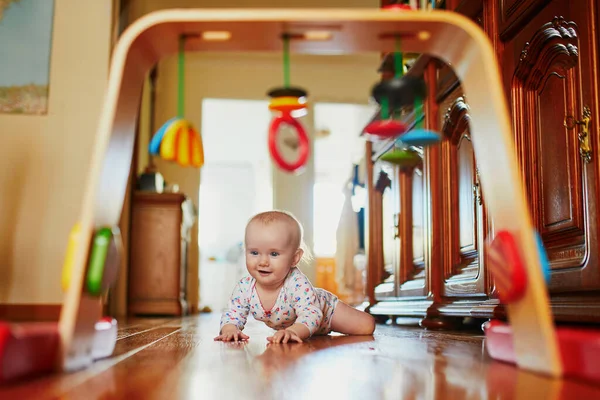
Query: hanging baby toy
[(286, 100), (177, 140), (394, 94)]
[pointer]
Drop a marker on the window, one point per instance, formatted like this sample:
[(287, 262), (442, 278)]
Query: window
[(337, 148)]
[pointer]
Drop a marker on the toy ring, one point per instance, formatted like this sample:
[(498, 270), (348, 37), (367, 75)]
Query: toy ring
[(287, 104), (287, 119)]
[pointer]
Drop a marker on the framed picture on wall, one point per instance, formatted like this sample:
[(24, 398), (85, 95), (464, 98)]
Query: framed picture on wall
[(25, 45)]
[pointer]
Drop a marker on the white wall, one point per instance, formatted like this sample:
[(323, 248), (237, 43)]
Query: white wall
[(44, 159)]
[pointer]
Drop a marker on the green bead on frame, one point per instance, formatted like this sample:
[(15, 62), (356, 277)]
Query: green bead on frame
[(104, 261)]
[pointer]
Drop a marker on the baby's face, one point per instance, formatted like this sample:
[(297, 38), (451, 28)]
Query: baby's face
[(271, 252)]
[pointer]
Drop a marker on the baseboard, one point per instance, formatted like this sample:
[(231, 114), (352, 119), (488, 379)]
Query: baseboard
[(29, 312)]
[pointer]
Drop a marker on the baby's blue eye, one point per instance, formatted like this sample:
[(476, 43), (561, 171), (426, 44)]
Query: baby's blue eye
[(274, 254), (254, 252)]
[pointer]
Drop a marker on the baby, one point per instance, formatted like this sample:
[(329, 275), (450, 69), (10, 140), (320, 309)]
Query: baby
[(279, 294)]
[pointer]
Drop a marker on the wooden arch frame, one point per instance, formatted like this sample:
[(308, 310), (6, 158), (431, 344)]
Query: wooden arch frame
[(456, 120), (450, 37)]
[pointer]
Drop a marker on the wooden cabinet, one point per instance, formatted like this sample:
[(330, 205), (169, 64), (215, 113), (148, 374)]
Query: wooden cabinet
[(158, 264), (553, 86), (549, 56), (463, 219)]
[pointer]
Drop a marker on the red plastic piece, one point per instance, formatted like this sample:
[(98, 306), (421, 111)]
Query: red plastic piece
[(386, 129), (286, 118), (507, 267), (397, 7), (27, 349), (579, 349)]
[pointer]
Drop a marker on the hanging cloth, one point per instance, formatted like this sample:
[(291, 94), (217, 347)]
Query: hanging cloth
[(347, 245)]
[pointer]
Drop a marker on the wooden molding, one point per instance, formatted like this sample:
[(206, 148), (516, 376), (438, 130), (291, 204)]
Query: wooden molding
[(552, 55), (30, 312), (553, 48), (456, 120)]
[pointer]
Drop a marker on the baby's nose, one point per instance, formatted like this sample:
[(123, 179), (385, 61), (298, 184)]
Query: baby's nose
[(264, 260)]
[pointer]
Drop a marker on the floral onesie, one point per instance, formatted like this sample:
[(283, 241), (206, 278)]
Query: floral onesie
[(298, 302)]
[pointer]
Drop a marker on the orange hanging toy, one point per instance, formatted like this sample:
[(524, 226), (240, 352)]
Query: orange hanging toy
[(178, 140)]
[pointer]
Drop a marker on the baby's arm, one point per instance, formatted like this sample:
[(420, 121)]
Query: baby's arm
[(307, 307), (308, 313), (234, 318)]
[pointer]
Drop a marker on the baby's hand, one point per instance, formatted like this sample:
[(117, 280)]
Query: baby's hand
[(231, 333), (283, 336)]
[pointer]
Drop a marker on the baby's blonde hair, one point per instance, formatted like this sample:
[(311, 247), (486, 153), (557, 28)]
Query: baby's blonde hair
[(268, 217)]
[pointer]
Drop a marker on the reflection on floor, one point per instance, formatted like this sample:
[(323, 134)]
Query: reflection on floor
[(178, 359)]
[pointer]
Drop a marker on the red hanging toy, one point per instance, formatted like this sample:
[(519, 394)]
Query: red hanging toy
[(286, 100)]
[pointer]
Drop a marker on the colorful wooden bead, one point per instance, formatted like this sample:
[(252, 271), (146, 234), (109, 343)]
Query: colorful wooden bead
[(287, 104), (507, 267), (72, 245), (544, 262), (420, 137), (400, 92), (103, 261), (386, 129), (404, 158), (397, 7)]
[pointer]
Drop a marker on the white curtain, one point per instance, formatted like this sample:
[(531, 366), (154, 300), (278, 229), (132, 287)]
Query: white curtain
[(347, 245)]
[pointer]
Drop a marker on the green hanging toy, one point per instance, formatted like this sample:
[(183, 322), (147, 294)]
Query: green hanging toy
[(394, 94)]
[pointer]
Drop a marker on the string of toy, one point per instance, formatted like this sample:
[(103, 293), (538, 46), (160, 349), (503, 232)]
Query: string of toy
[(418, 106), (399, 71), (181, 77), (286, 61)]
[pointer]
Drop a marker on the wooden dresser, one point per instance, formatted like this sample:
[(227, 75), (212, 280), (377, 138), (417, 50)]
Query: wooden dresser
[(158, 263), (427, 225)]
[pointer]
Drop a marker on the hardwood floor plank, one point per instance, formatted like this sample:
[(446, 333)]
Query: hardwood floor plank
[(129, 327), (55, 385), (178, 359)]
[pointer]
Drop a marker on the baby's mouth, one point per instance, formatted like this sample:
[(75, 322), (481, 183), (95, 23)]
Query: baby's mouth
[(264, 272)]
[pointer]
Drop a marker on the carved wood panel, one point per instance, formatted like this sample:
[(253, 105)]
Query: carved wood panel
[(516, 13), (549, 65), (462, 203)]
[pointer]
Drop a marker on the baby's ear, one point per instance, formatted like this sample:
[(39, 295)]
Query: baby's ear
[(297, 257)]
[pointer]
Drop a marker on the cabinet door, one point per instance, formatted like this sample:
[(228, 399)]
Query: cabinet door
[(386, 225), (549, 72), (413, 231), (462, 204)]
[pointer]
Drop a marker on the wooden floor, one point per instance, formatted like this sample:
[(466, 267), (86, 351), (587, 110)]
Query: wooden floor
[(178, 359)]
